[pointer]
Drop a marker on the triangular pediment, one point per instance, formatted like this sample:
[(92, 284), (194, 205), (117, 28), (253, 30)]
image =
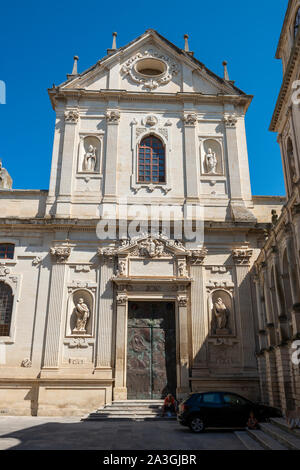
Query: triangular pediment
[(152, 246), (123, 70)]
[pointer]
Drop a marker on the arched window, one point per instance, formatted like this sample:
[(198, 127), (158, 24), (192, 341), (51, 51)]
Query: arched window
[(297, 23), (6, 305), (151, 161), (7, 250)]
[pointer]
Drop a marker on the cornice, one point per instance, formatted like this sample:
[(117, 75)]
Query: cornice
[(294, 59), (58, 94)]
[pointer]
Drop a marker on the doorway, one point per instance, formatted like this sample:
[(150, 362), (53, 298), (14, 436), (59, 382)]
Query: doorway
[(151, 350)]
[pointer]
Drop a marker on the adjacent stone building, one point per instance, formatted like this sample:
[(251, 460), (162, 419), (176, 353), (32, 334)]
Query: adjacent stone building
[(278, 265), (89, 315)]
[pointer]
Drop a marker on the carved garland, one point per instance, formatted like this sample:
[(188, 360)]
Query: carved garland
[(150, 83)]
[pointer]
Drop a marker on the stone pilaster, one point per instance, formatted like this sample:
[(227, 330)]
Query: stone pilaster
[(241, 258), (292, 267), (111, 160), (272, 378), (67, 164), (283, 363), (198, 314), (120, 390), (191, 156), (105, 319), (235, 176), (296, 126), (183, 387), (55, 312), (261, 364)]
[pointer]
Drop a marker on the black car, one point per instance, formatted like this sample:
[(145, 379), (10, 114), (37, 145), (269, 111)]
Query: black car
[(221, 409)]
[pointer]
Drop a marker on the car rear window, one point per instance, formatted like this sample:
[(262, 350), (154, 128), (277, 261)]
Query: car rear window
[(211, 398)]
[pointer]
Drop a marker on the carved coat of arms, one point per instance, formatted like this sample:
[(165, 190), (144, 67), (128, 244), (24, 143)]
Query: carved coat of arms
[(151, 248)]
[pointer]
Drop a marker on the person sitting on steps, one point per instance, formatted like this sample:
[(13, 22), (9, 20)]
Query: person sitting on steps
[(169, 405)]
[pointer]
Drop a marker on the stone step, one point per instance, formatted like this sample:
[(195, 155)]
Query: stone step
[(128, 412), (248, 441), (125, 407), (265, 440), (103, 417), (285, 438), (137, 403), (281, 423)]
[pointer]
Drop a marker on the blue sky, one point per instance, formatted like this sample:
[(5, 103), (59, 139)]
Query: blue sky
[(39, 40)]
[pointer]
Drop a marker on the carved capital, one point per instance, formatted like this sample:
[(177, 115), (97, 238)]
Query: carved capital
[(182, 300), (107, 255), (242, 256), (190, 119), (72, 116), (196, 257), (230, 121), (60, 253), (113, 116), (122, 299), (296, 209)]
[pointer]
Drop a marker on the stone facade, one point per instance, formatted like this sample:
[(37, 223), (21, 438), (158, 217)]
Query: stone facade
[(65, 351), (277, 269)]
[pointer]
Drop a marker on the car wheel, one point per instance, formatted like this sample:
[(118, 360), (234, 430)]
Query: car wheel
[(197, 424)]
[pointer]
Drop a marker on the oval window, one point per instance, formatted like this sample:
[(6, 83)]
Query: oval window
[(150, 67)]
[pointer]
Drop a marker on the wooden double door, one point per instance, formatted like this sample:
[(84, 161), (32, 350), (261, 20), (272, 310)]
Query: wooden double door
[(151, 350)]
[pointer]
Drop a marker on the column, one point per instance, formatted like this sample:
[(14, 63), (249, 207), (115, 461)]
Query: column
[(111, 160), (105, 316), (241, 258), (67, 163), (57, 286), (120, 390), (183, 382), (191, 156)]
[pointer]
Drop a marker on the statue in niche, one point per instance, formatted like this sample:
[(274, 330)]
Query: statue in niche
[(122, 268), (211, 162), (83, 313), (221, 315), (182, 269), (90, 159)]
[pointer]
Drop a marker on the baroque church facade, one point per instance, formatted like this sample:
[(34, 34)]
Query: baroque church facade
[(98, 304)]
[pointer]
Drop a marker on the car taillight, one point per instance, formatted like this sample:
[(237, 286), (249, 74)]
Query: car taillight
[(183, 407)]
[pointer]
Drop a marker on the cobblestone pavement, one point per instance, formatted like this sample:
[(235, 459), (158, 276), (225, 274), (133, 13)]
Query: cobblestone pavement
[(33, 433)]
